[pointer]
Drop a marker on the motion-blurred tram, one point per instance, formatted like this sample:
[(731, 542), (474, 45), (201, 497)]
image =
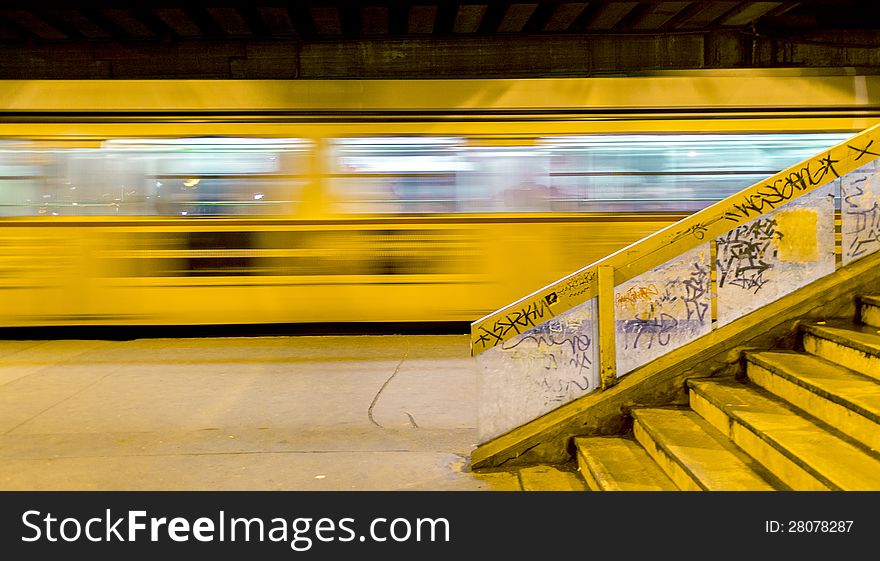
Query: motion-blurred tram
[(210, 202)]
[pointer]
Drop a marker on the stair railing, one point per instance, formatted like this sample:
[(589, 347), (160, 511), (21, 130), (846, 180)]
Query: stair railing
[(583, 332)]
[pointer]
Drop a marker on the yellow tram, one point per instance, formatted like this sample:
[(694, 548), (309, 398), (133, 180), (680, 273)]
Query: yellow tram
[(208, 202)]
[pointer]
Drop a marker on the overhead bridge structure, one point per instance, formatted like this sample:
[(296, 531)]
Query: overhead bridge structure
[(406, 39)]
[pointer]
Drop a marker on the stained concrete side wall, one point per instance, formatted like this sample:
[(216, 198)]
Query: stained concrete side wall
[(663, 382)]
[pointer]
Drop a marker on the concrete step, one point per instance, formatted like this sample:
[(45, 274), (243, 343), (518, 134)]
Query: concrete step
[(694, 455), (869, 310), (852, 346), (550, 478), (798, 450), (846, 400), (619, 464)]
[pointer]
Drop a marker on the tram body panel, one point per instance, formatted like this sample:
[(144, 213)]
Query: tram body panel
[(259, 202)]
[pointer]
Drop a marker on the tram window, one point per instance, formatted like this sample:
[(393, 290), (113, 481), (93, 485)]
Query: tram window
[(221, 176), (182, 176), (19, 173), (92, 182), (436, 175), (43, 180), (668, 172), (505, 179), (390, 175)]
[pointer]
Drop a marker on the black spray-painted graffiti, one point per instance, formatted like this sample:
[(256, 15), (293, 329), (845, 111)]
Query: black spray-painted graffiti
[(863, 151), (573, 345), (516, 322), (576, 285), (775, 194), (697, 230), (656, 321), (697, 292), (866, 230), (559, 390), (741, 254), (554, 347), (533, 313), (656, 329)]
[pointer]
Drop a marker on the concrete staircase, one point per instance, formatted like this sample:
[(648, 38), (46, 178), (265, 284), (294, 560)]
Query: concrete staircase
[(805, 420)]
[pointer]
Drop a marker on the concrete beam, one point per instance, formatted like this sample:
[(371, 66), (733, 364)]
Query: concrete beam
[(463, 56)]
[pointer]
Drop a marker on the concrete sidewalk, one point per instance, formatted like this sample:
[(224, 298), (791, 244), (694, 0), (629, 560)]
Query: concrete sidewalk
[(385, 412)]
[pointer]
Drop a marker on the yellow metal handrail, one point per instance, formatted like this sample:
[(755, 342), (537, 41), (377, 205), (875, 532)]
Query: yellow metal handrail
[(600, 277)]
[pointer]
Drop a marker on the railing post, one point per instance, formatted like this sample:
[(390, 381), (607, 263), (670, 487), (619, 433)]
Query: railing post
[(607, 349)]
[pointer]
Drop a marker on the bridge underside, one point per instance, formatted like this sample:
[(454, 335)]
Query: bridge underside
[(316, 39), (435, 57)]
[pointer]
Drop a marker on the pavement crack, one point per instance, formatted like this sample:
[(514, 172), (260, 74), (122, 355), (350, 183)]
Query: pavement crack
[(379, 393)]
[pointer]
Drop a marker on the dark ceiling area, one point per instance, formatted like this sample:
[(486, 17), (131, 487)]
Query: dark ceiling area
[(334, 20), (422, 38)]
